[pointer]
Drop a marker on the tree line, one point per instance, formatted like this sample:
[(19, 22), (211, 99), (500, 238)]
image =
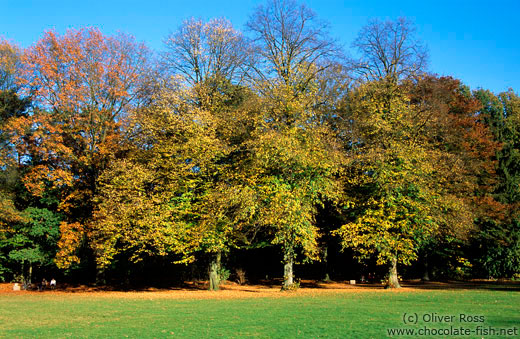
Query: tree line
[(225, 142)]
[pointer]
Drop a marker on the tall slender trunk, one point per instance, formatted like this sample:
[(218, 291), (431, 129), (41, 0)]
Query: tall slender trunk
[(288, 272), (214, 269), (30, 272), (426, 274), (100, 276), (393, 281), (326, 278), (24, 278)]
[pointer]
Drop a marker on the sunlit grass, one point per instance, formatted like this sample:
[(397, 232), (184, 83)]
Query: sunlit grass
[(364, 314)]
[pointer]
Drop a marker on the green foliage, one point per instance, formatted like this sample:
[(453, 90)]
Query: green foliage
[(498, 248), (31, 237), (496, 245), (223, 274), (36, 240)]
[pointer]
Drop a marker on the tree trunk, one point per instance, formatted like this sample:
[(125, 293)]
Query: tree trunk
[(214, 269), (24, 279), (426, 274), (100, 276), (288, 273), (30, 273), (393, 281), (326, 278)]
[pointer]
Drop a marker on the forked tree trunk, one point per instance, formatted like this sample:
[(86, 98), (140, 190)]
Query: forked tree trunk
[(288, 272), (214, 269), (393, 281)]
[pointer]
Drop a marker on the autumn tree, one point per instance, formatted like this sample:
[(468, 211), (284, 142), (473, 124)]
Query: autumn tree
[(401, 178), (496, 244), (12, 106), (178, 192), (295, 155), (211, 58), (28, 234), (83, 84)]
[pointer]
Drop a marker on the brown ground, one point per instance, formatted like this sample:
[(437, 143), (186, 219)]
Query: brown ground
[(232, 291)]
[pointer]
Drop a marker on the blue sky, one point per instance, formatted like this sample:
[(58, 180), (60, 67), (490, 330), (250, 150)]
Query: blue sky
[(475, 41)]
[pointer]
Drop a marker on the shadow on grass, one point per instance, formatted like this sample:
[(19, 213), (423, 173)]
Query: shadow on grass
[(487, 285), (262, 285)]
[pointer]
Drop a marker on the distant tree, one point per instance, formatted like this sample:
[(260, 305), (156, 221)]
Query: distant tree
[(33, 241), (497, 241)]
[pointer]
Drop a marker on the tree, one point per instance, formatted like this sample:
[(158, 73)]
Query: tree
[(12, 106), (501, 114), (211, 59), (9, 65), (33, 240), (83, 84), (496, 244), (398, 180), (178, 192), (293, 171), (456, 131), (295, 156), (389, 50)]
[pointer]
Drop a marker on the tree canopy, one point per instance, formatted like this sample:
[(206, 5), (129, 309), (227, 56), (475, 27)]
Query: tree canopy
[(251, 151)]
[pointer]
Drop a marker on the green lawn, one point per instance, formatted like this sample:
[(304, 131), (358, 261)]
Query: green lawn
[(346, 315)]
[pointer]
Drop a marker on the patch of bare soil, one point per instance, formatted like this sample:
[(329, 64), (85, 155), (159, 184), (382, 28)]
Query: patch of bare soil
[(230, 290)]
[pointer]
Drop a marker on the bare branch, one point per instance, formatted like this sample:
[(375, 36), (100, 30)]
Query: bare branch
[(200, 51), (289, 39), (390, 50)]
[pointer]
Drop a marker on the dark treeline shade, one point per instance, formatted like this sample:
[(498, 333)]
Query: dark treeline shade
[(252, 156)]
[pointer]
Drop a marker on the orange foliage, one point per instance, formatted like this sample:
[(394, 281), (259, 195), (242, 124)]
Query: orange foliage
[(83, 84), (462, 131), (71, 236)]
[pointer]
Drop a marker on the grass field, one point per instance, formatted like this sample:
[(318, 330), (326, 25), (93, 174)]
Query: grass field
[(335, 313)]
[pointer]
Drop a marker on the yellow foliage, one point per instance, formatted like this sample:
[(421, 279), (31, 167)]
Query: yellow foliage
[(403, 173)]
